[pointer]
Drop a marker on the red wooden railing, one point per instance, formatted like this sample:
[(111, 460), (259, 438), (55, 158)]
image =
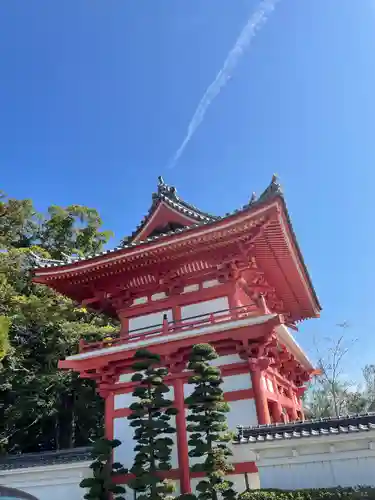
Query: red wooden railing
[(170, 327)]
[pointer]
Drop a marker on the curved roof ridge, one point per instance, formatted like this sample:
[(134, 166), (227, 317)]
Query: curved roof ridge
[(169, 195)]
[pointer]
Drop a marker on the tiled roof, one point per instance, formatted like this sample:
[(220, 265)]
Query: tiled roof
[(168, 193), (308, 428), (23, 461)]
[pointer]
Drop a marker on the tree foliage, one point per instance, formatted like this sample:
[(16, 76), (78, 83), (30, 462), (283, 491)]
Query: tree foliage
[(41, 407), (4, 336), (207, 425), (101, 486), (150, 418), (332, 394)]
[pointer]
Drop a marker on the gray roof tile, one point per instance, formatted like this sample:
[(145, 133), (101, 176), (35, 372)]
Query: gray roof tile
[(308, 428), (168, 194), (26, 460)]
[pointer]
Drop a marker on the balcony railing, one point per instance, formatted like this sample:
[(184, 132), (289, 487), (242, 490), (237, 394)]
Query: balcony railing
[(171, 327)]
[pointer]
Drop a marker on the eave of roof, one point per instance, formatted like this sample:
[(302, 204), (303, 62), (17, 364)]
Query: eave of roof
[(308, 428), (272, 193), (26, 460)]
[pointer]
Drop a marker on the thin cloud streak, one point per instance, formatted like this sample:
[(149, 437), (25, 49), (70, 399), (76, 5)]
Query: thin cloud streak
[(254, 23)]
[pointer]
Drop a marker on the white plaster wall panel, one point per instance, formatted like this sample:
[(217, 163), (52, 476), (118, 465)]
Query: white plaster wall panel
[(191, 288), (242, 453), (359, 469), (299, 476), (204, 308), (123, 400), (350, 445), (188, 389), (317, 449), (193, 483), (210, 283), (170, 394), (345, 460), (125, 377), (125, 452), (242, 412), (236, 382), (159, 296), (140, 300), (269, 385), (279, 452), (239, 483), (57, 482), (174, 455), (230, 359), (148, 321)]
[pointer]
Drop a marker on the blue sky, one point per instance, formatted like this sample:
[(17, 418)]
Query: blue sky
[(96, 96)]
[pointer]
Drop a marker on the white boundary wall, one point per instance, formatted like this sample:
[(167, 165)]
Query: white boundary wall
[(49, 482), (313, 462)]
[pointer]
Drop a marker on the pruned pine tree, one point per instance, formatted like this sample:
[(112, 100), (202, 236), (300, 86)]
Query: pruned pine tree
[(207, 425), (101, 486), (150, 417)]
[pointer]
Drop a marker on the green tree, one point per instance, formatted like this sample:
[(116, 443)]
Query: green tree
[(101, 486), (369, 386), (207, 425), (55, 408), (4, 336), (74, 230), (19, 222), (150, 417)]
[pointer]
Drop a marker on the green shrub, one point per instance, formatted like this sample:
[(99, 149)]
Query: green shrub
[(311, 494)]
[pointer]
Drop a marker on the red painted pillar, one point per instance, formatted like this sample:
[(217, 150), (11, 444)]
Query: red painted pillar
[(182, 440), (277, 412), (232, 296), (124, 332), (291, 395), (261, 402)]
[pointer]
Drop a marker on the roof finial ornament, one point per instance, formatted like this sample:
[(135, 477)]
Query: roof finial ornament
[(274, 189), (275, 185), (253, 198), (165, 189)]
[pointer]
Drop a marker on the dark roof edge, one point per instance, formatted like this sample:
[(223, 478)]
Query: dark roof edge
[(273, 191), (26, 460), (300, 255), (307, 428)]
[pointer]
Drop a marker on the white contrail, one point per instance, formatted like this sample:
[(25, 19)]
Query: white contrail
[(256, 20)]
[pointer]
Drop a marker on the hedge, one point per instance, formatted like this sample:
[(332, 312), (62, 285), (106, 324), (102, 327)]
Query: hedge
[(311, 494)]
